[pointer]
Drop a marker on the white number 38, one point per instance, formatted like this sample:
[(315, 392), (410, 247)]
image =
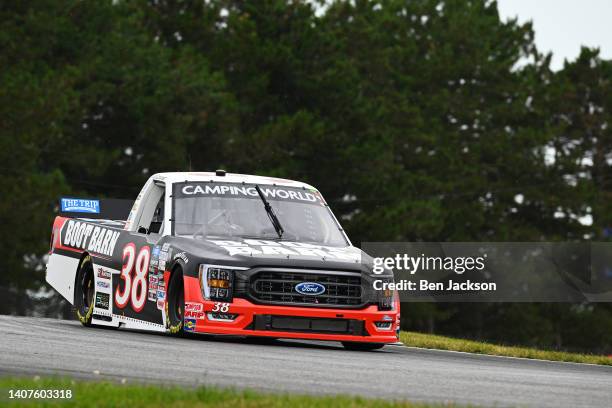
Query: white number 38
[(221, 307)]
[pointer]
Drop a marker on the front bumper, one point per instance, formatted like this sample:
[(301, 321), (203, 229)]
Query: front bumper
[(293, 322)]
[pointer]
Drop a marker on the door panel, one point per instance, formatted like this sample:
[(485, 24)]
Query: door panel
[(137, 280)]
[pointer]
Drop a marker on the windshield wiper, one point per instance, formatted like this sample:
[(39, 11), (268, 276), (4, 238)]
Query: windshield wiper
[(273, 218)]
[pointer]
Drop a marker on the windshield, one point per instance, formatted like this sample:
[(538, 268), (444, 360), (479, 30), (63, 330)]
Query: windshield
[(212, 210)]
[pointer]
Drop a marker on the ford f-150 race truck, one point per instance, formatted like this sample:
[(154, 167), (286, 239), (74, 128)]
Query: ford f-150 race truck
[(227, 254)]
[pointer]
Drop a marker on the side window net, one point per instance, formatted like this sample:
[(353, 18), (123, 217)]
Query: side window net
[(158, 217)]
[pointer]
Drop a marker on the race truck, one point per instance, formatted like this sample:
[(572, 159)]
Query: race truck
[(223, 254)]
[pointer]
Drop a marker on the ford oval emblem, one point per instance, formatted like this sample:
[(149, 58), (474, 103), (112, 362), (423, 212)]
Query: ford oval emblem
[(310, 288)]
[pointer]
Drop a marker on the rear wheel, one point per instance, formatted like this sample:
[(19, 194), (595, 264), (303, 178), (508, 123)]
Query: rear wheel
[(84, 291), (349, 345), (175, 303)]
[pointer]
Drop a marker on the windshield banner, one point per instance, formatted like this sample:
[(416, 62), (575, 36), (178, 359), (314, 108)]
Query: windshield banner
[(239, 190)]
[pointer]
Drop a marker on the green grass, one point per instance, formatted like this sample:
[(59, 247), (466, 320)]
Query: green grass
[(432, 341), (107, 394)]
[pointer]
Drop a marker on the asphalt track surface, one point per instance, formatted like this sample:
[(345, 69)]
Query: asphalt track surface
[(35, 346)]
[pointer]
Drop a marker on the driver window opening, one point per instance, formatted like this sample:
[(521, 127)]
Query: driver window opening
[(157, 222), (152, 216)]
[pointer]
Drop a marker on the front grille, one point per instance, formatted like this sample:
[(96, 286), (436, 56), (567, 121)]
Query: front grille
[(342, 289)]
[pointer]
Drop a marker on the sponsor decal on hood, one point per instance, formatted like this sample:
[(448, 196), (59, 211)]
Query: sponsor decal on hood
[(259, 247)]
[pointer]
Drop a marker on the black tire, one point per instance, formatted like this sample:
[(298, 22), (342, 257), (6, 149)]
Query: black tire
[(175, 303), (84, 291), (349, 345)]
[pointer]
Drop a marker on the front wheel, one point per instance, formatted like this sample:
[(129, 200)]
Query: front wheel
[(84, 291), (175, 303), (349, 345)]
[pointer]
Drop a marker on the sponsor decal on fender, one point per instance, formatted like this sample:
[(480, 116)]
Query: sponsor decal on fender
[(193, 307), (152, 296), (164, 255), (194, 310), (182, 256), (103, 285), (91, 237), (102, 300), (103, 273), (190, 325), (154, 259), (195, 315)]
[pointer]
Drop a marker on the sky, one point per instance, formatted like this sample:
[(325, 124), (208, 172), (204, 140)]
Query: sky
[(562, 26)]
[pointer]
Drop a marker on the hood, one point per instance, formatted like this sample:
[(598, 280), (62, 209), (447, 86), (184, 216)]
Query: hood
[(256, 252)]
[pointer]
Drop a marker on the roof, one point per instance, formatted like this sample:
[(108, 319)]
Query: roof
[(190, 176)]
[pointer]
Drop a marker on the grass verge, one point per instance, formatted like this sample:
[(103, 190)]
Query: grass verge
[(433, 341), (106, 394)]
